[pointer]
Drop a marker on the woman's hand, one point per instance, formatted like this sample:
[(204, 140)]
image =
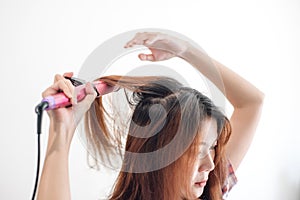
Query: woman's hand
[(60, 85), (245, 98), (162, 46), (54, 182), (63, 121)]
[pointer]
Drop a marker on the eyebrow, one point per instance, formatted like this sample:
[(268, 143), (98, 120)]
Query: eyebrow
[(206, 144), (203, 143)]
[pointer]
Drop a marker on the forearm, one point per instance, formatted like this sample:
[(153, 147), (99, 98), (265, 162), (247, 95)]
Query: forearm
[(237, 90), (245, 98), (54, 183)]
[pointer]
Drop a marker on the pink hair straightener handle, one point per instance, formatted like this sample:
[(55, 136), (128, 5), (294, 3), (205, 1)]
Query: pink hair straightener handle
[(61, 100)]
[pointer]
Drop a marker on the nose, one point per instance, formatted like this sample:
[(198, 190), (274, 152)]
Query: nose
[(207, 163)]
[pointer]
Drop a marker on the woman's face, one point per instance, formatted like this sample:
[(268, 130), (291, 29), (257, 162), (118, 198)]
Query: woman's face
[(204, 163)]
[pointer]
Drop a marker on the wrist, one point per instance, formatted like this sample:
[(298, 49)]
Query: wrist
[(190, 53), (60, 137), (197, 57)]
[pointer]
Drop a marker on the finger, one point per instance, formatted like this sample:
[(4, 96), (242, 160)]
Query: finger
[(141, 39), (71, 86), (134, 40), (86, 103), (64, 86), (151, 40), (146, 57), (57, 77), (91, 94), (89, 89), (60, 85), (68, 74)]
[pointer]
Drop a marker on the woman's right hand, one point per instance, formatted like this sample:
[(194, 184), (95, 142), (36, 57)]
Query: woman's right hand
[(54, 182), (63, 121)]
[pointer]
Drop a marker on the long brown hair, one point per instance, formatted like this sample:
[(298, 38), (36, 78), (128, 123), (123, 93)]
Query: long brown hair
[(161, 140)]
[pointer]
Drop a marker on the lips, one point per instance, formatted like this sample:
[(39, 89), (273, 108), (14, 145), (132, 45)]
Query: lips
[(201, 183)]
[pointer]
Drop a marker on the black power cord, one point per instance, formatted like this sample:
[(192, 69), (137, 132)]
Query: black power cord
[(39, 109)]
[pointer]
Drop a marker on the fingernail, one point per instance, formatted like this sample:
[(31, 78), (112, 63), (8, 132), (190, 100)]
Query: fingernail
[(142, 57)]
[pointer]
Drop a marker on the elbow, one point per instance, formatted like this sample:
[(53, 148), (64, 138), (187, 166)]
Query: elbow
[(259, 100), (255, 101)]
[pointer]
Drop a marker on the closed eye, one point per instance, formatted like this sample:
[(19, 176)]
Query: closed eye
[(214, 146), (205, 149)]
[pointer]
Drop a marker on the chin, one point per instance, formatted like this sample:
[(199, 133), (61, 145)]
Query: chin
[(196, 193)]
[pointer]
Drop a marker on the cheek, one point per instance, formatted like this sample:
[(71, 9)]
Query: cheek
[(213, 154), (194, 171)]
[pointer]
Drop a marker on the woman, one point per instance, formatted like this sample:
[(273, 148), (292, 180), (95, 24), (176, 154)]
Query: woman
[(204, 147)]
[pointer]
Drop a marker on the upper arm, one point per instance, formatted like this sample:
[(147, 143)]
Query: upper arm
[(244, 121)]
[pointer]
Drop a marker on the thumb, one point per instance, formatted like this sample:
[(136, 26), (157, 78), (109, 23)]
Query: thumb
[(85, 104), (89, 98), (146, 57), (90, 93)]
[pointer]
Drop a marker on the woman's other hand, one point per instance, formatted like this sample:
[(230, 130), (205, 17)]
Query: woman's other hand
[(162, 46)]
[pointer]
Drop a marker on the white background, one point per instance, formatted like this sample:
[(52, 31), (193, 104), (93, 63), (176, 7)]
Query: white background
[(258, 39)]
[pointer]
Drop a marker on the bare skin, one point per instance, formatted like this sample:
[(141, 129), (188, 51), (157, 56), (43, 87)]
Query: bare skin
[(245, 98), (54, 182)]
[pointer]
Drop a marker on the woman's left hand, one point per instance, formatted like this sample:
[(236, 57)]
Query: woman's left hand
[(162, 46)]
